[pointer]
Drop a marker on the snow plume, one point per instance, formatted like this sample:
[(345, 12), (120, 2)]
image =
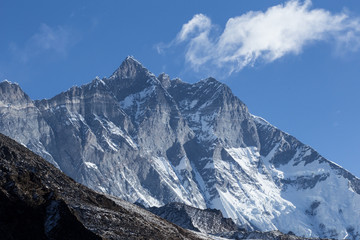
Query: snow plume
[(264, 36)]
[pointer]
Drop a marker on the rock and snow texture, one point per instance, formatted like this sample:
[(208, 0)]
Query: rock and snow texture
[(38, 201), (153, 140), (209, 221)]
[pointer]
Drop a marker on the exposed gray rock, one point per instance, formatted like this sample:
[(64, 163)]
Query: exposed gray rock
[(211, 221), (21, 119), (154, 141), (40, 202), (207, 221)]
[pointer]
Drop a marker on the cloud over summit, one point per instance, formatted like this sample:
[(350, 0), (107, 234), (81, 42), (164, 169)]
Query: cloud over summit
[(264, 36)]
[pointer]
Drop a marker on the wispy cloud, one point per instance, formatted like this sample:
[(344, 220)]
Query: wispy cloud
[(56, 40), (263, 36)]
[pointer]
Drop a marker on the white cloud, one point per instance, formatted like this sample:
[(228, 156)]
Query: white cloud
[(197, 29), (198, 24), (57, 40), (264, 36)]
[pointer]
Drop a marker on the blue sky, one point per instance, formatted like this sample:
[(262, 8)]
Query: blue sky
[(296, 64)]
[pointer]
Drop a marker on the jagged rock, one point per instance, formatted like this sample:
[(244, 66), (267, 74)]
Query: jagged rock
[(211, 221), (154, 141), (207, 221), (37, 201)]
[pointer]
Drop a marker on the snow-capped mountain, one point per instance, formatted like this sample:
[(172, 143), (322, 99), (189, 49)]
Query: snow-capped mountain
[(153, 140)]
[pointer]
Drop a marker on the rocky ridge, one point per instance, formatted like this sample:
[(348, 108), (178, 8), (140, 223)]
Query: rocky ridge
[(154, 141), (211, 221), (39, 202), (207, 221)]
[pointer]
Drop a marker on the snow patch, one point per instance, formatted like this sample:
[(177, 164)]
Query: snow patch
[(112, 129), (183, 164), (137, 98), (91, 165), (96, 82)]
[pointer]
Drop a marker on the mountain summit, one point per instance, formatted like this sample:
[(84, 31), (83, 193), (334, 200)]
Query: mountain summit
[(130, 68), (154, 141)]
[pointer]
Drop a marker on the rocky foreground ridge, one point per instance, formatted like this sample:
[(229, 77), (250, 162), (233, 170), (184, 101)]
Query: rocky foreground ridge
[(155, 141), (37, 201)]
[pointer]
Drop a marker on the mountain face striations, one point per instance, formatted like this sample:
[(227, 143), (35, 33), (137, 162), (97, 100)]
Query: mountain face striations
[(37, 201), (154, 141)]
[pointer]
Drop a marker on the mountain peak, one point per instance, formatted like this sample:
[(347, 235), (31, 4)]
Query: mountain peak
[(6, 81), (12, 93), (210, 80), (9, 83), (131, 58), (129, 68)]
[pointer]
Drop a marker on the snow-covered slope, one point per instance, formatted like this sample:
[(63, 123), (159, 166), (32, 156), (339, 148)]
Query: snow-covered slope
[(153, 140)]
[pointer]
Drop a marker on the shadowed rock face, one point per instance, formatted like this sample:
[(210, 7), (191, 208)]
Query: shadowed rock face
[(207, 221), (37, 201), (154, 141), (211, 221)]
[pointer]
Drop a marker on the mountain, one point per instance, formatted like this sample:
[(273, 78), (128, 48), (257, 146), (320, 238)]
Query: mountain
[(153, 140), (211, 221), (207, 221), (39, 202)]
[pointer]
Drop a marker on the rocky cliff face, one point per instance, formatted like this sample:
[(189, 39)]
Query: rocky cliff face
[(207, 221), (211, 221), (39, 202), (154, 141)]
